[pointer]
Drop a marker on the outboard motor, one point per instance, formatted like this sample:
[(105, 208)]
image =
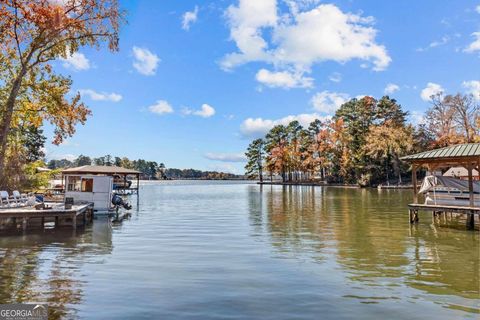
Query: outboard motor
[(118, 202)]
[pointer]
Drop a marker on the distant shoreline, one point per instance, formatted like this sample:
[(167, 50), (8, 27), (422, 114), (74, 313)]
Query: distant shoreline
[(195, 179), (338, 185)]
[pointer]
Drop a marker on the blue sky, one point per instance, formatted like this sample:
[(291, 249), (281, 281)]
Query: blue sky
[(195, 81)]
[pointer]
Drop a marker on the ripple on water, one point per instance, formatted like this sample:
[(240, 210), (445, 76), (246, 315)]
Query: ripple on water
[(236, 250)]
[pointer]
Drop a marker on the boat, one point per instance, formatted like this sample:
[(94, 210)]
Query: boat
[(121, 182), (441, 190)]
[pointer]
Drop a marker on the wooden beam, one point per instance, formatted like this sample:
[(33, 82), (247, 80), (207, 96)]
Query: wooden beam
[(414, 183), (470, 184)]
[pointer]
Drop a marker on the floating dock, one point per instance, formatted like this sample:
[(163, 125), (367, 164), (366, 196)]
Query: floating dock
[(80, 214)]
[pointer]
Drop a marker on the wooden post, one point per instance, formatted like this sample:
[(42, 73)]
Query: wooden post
[(470, 221), (24, 223), (470, 184), (74, 221), (138, 190), (414, 182)]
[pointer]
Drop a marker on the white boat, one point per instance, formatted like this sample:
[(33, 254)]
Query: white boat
[(441, 190)]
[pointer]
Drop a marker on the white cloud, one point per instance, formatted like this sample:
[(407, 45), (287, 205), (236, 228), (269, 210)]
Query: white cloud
[(103, 96), (161, 107), (226, 157), (437, 43), (473, 87), (68, 156), (206, 111), (335, 77), (361, 96), (223, 167), (430, 90), (258, 127), (145, 62), (283, 79), (246, 22), (300, 39), (328, 102), (189, 18), (417, 117), (77, 61), (478, 9), (475, 45), (391, 88)]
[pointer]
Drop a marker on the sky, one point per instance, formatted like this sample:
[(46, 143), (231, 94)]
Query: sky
[(195, 81)]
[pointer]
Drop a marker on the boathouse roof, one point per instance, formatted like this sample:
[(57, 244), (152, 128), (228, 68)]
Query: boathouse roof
[(108, 170), (456, 152)]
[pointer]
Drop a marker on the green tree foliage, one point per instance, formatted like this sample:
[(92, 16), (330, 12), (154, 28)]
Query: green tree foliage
[(364, 141), (254, 154), (34, 143), (150, 170), (82, 161)]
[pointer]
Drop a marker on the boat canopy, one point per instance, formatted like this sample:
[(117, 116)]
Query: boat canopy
[(430, 182)]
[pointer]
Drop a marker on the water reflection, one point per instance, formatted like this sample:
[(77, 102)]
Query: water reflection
[(220, 249), (45, 266), (367, 234)]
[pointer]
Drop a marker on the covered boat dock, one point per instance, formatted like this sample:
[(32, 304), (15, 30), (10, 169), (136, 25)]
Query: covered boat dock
[(111, 171), (466, 155)]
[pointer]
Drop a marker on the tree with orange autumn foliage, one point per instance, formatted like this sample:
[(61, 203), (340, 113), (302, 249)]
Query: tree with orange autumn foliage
[(33, 33), (453, 119)]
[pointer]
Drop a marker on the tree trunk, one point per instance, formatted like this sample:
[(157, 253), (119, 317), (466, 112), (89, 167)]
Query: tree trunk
[(260, 173), (7, 120)]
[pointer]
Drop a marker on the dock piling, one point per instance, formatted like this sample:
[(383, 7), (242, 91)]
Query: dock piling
[(470, 221), (24, 223)]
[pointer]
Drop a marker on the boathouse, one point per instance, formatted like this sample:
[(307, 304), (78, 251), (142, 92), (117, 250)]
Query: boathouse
[(465, 155), (86, 181)]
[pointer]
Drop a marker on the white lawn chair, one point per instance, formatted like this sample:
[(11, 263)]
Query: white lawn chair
[(4, 199), (20, 199)]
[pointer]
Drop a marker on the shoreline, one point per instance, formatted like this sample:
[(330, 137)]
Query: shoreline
[(336, 185)]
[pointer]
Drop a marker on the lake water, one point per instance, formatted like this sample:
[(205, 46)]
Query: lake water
[(231, 250)]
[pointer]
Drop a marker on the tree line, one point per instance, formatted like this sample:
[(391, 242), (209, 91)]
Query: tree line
[(363, 142), (151, 170)]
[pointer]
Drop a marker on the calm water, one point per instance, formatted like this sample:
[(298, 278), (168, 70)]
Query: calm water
[(215, 250)]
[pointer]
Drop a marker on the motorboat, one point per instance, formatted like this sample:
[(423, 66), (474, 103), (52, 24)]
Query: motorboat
[(441, 190)]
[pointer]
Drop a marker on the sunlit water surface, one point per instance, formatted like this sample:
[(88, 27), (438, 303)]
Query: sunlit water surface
[(235, 250)]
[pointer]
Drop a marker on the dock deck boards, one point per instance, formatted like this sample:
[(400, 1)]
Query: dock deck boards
[(448, 208), (58, 212), (413, 209)]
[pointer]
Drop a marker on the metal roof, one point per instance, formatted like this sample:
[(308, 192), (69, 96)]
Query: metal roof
[(456, 151), (110, 170)]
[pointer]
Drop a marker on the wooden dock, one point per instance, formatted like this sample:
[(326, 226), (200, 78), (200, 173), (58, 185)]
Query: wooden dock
[(413, 209), (79, 214)]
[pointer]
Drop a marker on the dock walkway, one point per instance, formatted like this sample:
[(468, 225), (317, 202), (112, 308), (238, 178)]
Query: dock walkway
[(436, 209), (80, 212)]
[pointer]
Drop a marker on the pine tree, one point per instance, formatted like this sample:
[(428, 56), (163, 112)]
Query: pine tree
[(254, 155)]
